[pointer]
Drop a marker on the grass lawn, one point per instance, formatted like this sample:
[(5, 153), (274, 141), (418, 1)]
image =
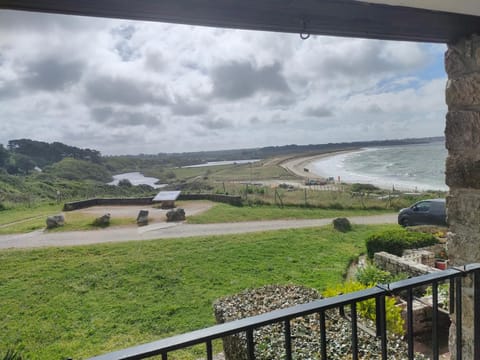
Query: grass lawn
[(26, 219), (22, 213), (227, 213), (239, 172), (82, 301), (73, 221)]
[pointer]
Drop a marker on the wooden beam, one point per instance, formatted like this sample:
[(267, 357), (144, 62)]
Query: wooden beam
[(323, 17)]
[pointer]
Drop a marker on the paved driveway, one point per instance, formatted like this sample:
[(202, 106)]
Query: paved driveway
[(168, 230)]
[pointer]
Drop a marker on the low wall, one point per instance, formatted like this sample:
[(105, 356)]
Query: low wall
[(227, 199), (396, 265), (100, 201), (232, 200)]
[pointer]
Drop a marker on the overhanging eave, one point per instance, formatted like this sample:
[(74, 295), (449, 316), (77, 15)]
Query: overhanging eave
[(323, 17)]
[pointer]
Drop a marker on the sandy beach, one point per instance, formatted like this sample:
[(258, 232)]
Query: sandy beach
[(323, 166), (297, 165)]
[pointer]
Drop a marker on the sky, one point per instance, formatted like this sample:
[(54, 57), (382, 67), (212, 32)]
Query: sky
[(130, 87)]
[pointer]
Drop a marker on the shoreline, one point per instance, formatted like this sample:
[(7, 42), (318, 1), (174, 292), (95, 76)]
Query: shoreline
[(296, 165)]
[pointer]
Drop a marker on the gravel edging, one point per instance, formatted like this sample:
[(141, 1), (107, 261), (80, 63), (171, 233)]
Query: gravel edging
[(305, 331)]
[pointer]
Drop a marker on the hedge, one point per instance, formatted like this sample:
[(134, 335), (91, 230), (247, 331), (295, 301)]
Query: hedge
[(396, 241)]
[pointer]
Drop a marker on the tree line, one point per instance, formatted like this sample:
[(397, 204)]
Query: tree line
[(21, 156)]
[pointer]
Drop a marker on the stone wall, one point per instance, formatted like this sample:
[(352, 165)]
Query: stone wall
[(397, 265), (462, 136)]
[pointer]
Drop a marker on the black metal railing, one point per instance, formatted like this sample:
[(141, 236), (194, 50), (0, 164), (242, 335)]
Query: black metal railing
[(452, 276)]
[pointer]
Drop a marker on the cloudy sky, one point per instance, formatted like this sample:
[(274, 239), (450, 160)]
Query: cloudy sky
[(125, 87)]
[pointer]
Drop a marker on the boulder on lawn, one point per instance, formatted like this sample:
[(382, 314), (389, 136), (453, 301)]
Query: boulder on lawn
[(176, 215), (55, 221), (102, 221), (342, 224), (142, 218)]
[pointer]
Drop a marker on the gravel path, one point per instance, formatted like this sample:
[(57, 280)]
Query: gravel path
[(168, 230)]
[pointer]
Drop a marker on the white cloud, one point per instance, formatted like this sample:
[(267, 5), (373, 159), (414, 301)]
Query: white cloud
[(120, 86)]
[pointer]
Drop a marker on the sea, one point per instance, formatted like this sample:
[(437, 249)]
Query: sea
[(416, 167)]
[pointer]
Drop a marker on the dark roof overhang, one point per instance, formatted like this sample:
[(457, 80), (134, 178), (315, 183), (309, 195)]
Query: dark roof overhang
[(323, 17)]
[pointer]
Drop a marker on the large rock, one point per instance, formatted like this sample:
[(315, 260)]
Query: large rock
[(102, 221), (55, 221), (176, 215), (142, 218), (342, 224)]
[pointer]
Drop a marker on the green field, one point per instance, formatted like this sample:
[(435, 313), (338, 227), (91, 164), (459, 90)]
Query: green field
[(23, 220), (261, 170), (227, 213), (81, 301)]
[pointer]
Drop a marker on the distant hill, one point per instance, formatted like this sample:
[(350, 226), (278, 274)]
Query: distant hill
[(23, 155), (34, 170), (271, 151)]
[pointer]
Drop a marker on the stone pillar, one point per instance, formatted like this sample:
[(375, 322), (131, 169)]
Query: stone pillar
[(462, 135)]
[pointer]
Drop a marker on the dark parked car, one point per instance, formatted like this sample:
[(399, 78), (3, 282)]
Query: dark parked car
[(425, 212)]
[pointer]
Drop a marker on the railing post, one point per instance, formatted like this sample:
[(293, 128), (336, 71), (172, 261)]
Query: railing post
[(476, 315), (382, 324), (411, 354), (250, 345), (209, 350), (378, 318), (435, 351), (353, 315), (288, 340), (458, 317), (323, 336)]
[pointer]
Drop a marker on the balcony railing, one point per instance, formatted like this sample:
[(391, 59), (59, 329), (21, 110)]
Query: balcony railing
[(453, 276)]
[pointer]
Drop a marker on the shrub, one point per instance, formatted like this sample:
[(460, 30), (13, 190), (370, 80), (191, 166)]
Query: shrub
[(125, 183), (396, 241), (371, 275), (357, 187), (335, 206), (366, 309)]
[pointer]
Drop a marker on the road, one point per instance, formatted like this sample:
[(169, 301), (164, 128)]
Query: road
[(39, 238)]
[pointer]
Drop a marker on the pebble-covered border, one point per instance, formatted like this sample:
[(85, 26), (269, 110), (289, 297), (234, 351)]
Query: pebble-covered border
[(269, 340)]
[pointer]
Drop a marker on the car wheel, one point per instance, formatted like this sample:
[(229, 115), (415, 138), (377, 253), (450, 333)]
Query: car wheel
[(405, 222)]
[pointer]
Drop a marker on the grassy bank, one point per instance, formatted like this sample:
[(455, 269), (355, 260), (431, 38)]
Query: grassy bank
[(80, 301), (23, 219), (227, 213)]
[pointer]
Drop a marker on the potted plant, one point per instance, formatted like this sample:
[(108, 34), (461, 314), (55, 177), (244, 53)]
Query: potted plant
[(441, 261)]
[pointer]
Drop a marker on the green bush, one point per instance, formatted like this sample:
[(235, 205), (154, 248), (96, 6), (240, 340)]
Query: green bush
[(371, 275), (367, 309), (396, 241), (125, 183), (357, 187)]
